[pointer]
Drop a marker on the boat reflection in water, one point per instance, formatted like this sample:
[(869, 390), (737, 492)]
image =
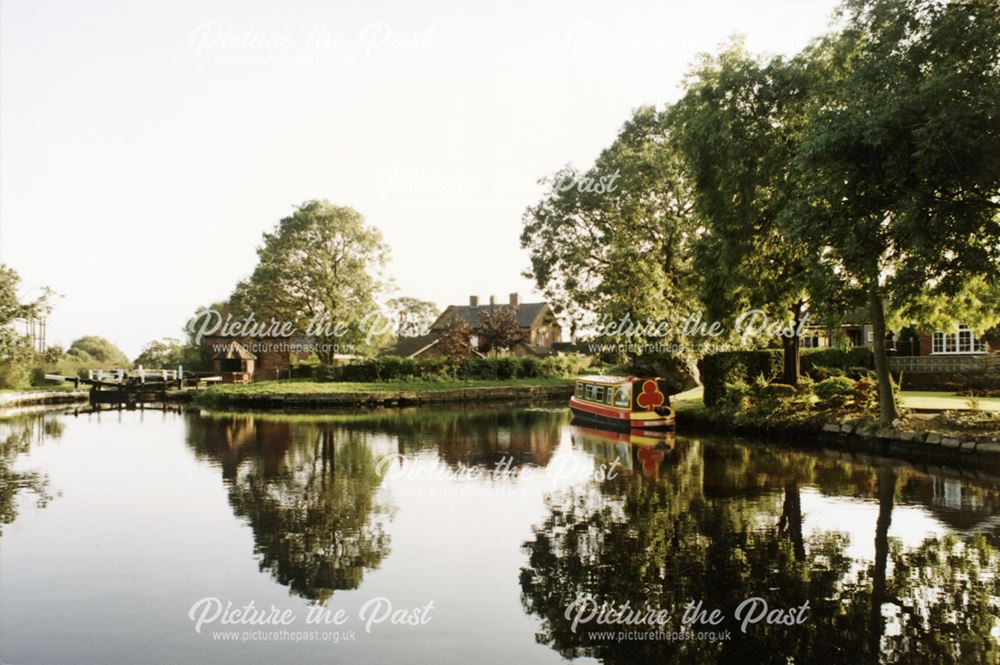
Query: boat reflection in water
[(646, 452)]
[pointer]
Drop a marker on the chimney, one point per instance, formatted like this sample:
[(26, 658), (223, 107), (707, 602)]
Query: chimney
[(473, 301), (515, 299), (493, 301)]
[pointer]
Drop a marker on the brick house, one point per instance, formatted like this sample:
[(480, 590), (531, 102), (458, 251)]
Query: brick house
[(536, 320)]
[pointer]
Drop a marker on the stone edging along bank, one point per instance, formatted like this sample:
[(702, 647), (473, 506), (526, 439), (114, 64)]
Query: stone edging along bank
[(32, 397), (972, 448), (390, 397)]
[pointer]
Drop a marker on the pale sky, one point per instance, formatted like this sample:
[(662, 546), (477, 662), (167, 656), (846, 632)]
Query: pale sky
[(146, 146)]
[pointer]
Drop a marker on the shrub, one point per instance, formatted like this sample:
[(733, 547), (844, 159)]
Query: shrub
[(565, 365), (860, 373), (865, 394), (736, 396), (858, 356), (835, 393), (505, 367), (38, 378), (818, 373), (770, 397), (779, 390), (530, 368), (720, 370)]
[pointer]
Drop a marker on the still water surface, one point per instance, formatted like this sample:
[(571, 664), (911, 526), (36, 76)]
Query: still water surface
[(464, 536)]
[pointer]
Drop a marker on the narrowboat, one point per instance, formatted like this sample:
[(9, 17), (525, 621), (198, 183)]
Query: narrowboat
[(622, 403)]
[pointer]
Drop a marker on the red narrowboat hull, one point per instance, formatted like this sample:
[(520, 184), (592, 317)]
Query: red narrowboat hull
[(619, 419)]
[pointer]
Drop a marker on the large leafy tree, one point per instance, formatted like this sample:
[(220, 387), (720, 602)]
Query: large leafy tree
[(615, 240), (93, 348), (168, 352), (738, 125), (16, 354), (413, 316), (902, 154), (322, 264)]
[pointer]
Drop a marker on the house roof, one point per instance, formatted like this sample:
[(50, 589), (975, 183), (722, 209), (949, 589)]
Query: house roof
[(234, 350), (410, 346), (527, 313)]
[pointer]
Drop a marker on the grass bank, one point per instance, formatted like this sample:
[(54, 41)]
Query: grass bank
[(306, 394)]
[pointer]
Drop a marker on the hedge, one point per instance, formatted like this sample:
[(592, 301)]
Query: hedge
[(858, 356), (395, 368), (719, 369)]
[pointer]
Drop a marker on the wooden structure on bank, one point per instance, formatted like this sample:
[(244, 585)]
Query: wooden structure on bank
[(234, 364)]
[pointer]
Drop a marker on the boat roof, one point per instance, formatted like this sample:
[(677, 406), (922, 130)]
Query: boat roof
[(603, 378)]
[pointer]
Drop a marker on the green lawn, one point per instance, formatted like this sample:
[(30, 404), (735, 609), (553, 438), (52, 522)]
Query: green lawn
[(913, 399), (323, 387), (688, 401)]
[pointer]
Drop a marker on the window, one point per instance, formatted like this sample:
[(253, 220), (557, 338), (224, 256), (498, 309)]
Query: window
[(964, 340), (579, 390), (589, 394), (622, 396), (810, 342), (474, 341), (599, 394)]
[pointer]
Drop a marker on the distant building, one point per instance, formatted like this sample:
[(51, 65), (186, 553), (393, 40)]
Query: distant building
[(857, 330), (539, 328), (257, 359)]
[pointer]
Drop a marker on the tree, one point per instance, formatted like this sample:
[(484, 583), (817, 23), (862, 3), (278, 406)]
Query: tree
[(92, 348), (320, 271), (498, 328), (738, 125), (454, 338), (616, 239), (413, 316), (902, 155), (54, 354), (162, 354), (16, 355)]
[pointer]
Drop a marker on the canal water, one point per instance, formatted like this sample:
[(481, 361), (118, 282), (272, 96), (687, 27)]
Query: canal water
[(485, 536)]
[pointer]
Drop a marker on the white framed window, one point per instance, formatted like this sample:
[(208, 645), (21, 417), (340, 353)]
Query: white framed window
[(474, 341), (961, 341), (964, 340)]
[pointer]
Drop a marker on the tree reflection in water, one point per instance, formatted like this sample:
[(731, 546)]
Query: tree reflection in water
[(308, 484), (308, 491), (18, 433), (722, 523)]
